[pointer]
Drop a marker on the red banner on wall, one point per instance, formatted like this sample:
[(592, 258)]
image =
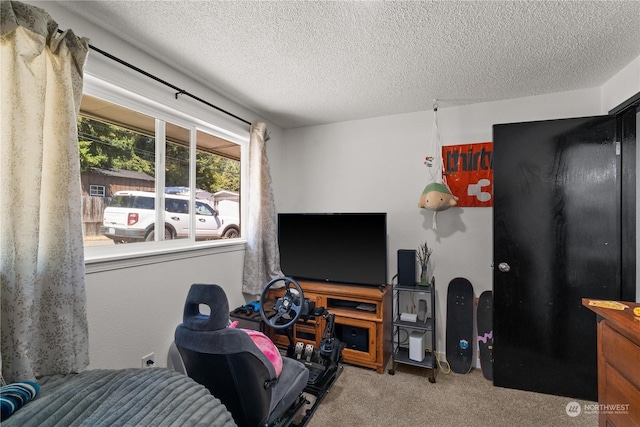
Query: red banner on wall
[(469, 171)]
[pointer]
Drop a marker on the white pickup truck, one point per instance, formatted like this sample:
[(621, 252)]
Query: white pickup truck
[(130, 217)]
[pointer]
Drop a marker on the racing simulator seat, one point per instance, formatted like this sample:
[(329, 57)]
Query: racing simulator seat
[(228, 363)]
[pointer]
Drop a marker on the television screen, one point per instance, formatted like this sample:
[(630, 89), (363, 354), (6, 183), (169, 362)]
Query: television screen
[(334, 247)]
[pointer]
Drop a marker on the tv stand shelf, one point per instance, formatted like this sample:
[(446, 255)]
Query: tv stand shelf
[(366, 331)]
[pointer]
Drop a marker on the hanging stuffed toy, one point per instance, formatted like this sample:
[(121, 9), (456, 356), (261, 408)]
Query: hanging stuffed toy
[(436, 196)]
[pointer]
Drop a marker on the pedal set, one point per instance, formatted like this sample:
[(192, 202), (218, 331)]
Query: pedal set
[(308, 352), (299, 349)]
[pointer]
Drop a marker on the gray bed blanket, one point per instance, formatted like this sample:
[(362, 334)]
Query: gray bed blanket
[(127, 397)]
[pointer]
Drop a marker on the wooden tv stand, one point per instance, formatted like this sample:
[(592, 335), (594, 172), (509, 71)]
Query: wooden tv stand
[(366, 333)]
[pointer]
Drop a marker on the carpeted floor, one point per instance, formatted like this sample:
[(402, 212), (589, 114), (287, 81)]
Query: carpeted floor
[(362, 397)]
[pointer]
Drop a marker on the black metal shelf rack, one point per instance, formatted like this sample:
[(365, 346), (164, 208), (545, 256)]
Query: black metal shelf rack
[(401, 352)]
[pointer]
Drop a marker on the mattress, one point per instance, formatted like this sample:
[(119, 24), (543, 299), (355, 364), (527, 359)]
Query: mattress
[(128, 397)]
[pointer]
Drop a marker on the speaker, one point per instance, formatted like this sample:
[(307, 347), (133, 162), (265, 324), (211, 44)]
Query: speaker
[(407, 267), (355, 338)]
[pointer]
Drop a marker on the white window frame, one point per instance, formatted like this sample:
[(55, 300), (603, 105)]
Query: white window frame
[(101, 258), (101, 190)]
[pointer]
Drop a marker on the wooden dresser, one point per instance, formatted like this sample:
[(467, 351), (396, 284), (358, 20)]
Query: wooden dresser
[(618, 365)]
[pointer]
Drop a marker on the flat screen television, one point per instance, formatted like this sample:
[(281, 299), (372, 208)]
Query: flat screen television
[(346, 248)]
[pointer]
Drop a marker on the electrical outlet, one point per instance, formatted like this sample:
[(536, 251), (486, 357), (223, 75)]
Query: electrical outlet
[(148, 361)]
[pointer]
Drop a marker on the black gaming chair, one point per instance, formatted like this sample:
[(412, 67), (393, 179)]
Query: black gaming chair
[(228, 363)]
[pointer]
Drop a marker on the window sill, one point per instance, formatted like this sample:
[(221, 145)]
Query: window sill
[(140, 254)]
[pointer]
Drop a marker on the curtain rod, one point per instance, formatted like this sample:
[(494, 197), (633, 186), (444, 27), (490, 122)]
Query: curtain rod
[(159, 80)]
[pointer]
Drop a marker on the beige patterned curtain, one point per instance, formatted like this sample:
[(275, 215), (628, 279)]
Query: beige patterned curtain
[(44, 325), (262, 257)]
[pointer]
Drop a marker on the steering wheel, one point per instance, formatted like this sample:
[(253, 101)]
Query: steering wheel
[(287, 304)]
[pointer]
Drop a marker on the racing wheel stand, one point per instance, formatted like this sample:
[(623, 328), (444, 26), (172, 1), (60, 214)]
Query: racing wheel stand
[(324, 364)]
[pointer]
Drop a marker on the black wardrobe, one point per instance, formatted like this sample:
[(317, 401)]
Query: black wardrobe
[(564, 228)]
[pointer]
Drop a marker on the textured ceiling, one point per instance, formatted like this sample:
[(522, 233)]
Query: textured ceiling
[(310, 62)]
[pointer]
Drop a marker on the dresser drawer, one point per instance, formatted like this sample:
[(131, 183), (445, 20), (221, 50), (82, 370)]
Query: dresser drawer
[(622, 354), (621, 402)]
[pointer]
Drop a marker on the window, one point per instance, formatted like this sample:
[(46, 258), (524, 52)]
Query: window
[(202, 209), (142, 154), (96, 190)]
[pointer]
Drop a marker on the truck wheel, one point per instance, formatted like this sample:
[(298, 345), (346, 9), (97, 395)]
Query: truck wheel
[(231, 233), (168, 235)]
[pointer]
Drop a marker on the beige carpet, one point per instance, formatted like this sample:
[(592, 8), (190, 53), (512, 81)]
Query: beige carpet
[(362, 397)]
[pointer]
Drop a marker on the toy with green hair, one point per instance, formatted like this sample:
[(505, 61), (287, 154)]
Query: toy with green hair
[(437, 197)]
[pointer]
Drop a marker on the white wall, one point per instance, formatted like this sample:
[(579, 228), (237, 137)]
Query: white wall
[(621, 87), (377, 165), (134, 311)]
